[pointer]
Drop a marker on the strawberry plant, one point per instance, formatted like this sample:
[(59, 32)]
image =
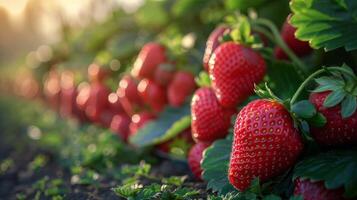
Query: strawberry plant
[(184, 99)]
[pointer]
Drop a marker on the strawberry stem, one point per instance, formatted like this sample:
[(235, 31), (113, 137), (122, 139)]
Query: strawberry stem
[(313, 75), (299, 66)]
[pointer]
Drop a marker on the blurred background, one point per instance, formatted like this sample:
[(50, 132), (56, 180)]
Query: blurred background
[(26, 24)]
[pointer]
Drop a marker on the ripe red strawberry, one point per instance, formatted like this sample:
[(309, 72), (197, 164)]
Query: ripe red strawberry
[(265, 143), (114, 103), (337, 131), (164, 74), (300, 48), (68, 94), (212, 43), (234, 69), (139, 120), (210, 120), (316, 191), (128, 94), (83, 95), (149, 58), (52, 89), (97, 73), (153, 94), (182, 86), (120, 125), (194, 158), (97, 102)]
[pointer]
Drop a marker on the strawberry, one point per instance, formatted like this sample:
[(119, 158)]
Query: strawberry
[(128, 94), (149, 58), (120, 125), (182, 86), (337, 131), (52, 89), (114, 103), (212, 43), (234, 69), (139, 120), (164, 74), (83, 95), (300, 48), (97, 73), (210, 120), (68, 94), (153, 94), (194, 158), (265, 143), (316, 191), (97, 102)]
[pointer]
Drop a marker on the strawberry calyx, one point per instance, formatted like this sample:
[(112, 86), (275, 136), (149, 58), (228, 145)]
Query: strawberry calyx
[(341, 82), (301, 112), (241, 32), (203, 80)]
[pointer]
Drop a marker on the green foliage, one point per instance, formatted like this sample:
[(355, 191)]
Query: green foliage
[(46, 187), (243, 4), (160, 188), (282, 78), (203, 79), (341, 85), (326, 24), (336, 168), (304, 109), (215, 166), (171, 122), (155, 191)]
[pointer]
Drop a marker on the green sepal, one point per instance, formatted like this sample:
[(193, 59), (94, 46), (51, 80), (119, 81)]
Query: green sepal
[(324, 88), (326, 80), (304, 109), (203, 79), (241, 31), (305, 130), (318, 120), (348, 106), (334, 98)]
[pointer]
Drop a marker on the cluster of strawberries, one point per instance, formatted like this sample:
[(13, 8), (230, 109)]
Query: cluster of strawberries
[(266, 141), (140, 97)]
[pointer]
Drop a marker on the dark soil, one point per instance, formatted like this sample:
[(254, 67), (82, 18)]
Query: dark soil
[(19, 179)]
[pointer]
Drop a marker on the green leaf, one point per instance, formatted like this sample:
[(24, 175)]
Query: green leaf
[(174, 180), (203, 79), (272, 197), (323, 88), (326, 80), (334, 98), (319, 120), (348, 106), (215, 166), (304, 109), (279, 74), (296, 198), (243, 4), (326, 24), (337, 169), (171, 122)]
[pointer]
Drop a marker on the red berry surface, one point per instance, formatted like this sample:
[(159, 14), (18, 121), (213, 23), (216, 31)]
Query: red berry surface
[(195, 157), (234, 69), (182, 86), (265, 143), (210, 120), (337, 131)]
